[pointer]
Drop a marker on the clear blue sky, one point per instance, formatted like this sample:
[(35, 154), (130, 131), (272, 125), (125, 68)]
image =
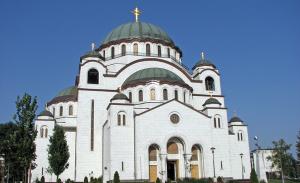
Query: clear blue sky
[(255, 45)]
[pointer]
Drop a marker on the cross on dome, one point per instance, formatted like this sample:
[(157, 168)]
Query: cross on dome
[(136, 13)]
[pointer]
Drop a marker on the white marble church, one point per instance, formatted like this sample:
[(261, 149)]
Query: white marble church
[(136, 109)]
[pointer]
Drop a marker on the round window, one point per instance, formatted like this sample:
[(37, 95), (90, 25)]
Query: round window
[(174, 118)]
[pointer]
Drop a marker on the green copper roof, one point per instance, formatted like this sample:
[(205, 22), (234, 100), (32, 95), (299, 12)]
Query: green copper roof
[(235, 119), (137, 30), (46, 113), (211, 101), (68, 91), (204, 62), (119, 96), (153, 74)]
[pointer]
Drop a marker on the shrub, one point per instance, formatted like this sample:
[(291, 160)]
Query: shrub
[(253, 176), (262, 181), (58, 180), (68, 181), (210, 180), (116, 177), (85, 180), (157, 180), (220, 180), (37, 180), (42, 179)]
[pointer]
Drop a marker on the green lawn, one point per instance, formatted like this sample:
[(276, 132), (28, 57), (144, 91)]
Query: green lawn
[(279, 181)]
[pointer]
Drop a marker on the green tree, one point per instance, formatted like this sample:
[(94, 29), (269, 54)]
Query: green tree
[(25, 135), (58, 151), (281, 157), (86, 180), (157, 180), (298, 153), (116, 177), (253, 176)]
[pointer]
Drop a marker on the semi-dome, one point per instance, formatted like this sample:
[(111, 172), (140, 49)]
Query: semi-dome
[(46, 113), (67, 94), (235, 119), (140, 30), (211, 101), (145, 75), (119, 96)]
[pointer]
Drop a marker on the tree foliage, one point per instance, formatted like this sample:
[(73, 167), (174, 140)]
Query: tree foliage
[(298, 147), (281, 157), (253, 176), (58, 151), (116, 177)]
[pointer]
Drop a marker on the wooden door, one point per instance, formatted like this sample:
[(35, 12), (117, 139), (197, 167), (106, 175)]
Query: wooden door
[(153, 173), (195, 171)]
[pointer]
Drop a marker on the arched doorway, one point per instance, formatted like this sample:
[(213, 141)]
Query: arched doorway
[(196, 162), (175, 150), (153, 162)]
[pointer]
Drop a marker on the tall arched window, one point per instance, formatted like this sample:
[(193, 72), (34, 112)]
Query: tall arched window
[(42, 132), (240, 136), (130, 97), (184, 93), (93, 76), (172, 148), (159, 50), (148, 50), (53, 111), (141, 95), (61, 111), (121, 119), (210, 83), (169, 54), (104, 54), (217, 121), (135, 49), (46, 132), (176, 94), (70, 110), (165, 94), (112, 52), (123, 50), (152, 94)]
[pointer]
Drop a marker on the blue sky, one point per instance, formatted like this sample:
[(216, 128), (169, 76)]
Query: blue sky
[(255, 45)]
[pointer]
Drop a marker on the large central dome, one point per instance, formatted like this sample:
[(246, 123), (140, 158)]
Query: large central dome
[(139, 30)]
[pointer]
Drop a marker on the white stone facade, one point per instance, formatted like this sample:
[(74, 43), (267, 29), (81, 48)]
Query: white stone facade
[(107, 134)]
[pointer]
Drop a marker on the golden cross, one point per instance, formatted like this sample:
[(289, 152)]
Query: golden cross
[(136, 13)]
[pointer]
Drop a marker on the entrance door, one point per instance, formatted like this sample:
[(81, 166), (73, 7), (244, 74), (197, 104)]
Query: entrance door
[(171, 170), (153, 173)]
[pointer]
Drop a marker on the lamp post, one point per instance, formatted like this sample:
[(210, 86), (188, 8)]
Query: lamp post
[(213, 153), (242, 165)]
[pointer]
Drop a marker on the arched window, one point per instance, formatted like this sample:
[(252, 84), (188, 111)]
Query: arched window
[(46, 132), (210, 83), (135, 49), (148, 50), (195, 153), (42, 132), (61, 111), (168, 50), (165, 94), (130, 97), (121, 119), (176, 94), (184, 93), (159, 51), (123, 50), (53, 111), (93, 76), (152, 94), (70, 110), (141, 95), (240, 136), (217, 121), (153, 152), (104, 54), (112, 52)]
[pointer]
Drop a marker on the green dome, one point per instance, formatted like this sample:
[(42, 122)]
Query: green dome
[(160, 74), (211, 101), (46, 113), (119, 96), (137, 30), (68, 91), (235, 119), (204, 62)]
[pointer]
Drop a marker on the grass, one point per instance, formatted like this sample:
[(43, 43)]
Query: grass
[(285, 181)]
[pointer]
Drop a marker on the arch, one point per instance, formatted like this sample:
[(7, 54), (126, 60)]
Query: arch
[(121, 118), (240, 135), (152, 94), (175, 149), (93, 76), (61, 111), (141, 98), (104, 54), (209, 84), (53, 111), (112, 52), (153, 151), (148, 49), (46, 132), (217, 121), (165, 94), (135, 49), (196, 165), (70, 110), (159, 51), (123, 50)]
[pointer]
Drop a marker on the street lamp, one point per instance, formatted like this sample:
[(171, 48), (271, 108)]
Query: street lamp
[(242, 165), (213, 153)]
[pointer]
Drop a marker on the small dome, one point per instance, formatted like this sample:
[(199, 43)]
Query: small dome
[(145, 75), (204, 62), (119, 96), (46, 113), (235, 119), (92, 54), (68, 94), (211, 101), (133, 30)]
